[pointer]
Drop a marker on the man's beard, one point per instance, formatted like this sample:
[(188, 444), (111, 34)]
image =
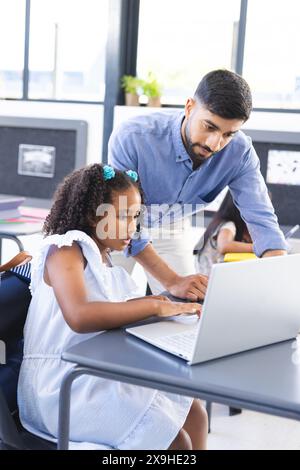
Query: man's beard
[(189, 146)]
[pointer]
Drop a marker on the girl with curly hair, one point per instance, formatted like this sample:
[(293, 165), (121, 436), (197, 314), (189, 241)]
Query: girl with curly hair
[(76, 293)]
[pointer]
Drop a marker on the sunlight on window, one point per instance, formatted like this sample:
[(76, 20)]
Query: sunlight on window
[(12, 31), (272, 60), (67, 49), (182, 41)]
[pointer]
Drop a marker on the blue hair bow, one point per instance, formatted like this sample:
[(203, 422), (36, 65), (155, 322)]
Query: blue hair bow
[(132, 174), (108, 172)]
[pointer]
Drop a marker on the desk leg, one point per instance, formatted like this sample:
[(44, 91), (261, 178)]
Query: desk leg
[(208, 410), (63, 432), (14, 238), (17, 240), (64, 407)]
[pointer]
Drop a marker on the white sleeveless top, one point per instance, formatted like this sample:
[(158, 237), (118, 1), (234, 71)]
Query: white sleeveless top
[(104, 414)]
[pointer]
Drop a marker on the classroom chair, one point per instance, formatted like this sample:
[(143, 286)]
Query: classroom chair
[(14, 302)]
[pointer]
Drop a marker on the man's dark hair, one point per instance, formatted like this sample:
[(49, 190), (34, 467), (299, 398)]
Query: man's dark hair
[(225, 94)]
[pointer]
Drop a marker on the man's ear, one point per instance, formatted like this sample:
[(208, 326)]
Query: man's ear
[(189, 106)]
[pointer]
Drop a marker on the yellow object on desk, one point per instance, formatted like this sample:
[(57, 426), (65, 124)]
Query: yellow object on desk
[(238, 257)]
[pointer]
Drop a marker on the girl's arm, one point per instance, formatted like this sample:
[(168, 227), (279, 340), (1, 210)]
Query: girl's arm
[(64, 272), (226, 243)]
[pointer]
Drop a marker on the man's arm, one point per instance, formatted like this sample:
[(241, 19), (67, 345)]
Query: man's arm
[(269, 253), (191, 287), (121, 149), (250, 194)]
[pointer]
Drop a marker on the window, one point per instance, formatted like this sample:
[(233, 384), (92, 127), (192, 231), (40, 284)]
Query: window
[(67, 49), (181, 41), (12, 35), (271, 60)]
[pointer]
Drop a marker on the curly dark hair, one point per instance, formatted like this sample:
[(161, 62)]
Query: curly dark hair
[(77, 198)]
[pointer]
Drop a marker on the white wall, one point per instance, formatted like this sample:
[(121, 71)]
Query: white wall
[(289, 122), (91, 113)]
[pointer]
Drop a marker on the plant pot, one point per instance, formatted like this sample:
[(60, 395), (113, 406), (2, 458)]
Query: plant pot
[(154, 102), (131, 99)]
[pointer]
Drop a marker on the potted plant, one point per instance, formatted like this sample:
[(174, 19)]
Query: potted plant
[(131, 86), (152, 89)]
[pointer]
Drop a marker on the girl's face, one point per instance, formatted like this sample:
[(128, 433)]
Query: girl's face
[(118, 220)]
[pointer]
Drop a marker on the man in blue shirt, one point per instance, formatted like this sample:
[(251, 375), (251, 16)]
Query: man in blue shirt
[(188, 158)]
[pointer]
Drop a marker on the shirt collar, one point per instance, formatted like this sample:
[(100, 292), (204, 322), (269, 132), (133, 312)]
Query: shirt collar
[(180, 152)]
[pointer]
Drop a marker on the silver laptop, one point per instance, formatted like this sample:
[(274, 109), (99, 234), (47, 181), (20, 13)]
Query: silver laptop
[(248, 304)]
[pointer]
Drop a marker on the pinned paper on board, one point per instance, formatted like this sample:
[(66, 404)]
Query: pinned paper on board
[(36, 160), (283, 167)]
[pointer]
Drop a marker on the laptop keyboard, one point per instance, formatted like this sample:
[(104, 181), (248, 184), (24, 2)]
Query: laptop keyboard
[(182, 343)]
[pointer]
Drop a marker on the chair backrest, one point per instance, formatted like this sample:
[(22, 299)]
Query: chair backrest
[(15, 298), (14, 301), (19, 260)]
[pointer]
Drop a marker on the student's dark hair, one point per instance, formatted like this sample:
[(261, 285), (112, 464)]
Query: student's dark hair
[(225, 94), (227, 212), (78, 197)]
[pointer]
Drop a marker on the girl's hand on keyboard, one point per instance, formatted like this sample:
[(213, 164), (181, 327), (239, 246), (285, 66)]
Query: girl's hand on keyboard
[(168, 309), (151, 297)]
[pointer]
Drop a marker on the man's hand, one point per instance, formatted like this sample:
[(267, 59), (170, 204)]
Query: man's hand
[(269, 253), (191, 287)]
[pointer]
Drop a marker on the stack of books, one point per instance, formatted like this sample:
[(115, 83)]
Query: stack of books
[(11, 211), (10, 207)]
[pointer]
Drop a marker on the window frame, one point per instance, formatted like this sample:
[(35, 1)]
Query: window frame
[(122, 42)]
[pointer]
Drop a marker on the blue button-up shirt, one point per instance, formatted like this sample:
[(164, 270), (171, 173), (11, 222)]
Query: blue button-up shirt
[(152, 146)]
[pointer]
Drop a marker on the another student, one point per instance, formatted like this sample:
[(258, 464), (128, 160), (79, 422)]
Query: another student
[(76, 293), (226, 233)]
